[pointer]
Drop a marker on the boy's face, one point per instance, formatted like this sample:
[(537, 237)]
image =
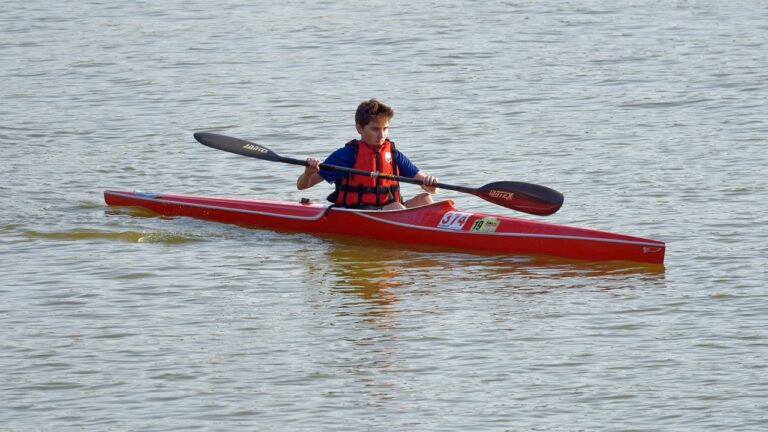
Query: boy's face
[(375, 132)]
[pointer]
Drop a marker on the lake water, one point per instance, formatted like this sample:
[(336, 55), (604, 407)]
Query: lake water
[(649, 116)]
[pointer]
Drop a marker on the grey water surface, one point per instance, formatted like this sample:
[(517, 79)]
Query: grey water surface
[(650, 117)]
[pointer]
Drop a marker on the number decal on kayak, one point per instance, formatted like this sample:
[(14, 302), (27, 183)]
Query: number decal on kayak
[(454, 220), (486, 224)]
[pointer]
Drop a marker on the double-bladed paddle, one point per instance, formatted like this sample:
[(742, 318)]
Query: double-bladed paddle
[(520, 196)]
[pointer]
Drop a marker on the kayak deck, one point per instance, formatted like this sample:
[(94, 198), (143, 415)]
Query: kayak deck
[(437, 224)]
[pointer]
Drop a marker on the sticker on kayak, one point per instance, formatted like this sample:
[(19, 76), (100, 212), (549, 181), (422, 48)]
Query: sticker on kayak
[(454, 220), (486, 224)]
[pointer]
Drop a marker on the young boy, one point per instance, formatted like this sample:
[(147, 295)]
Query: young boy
[(372, 152)]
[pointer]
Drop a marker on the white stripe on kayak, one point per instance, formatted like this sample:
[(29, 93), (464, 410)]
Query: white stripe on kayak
[(206, 206), (553, 236)]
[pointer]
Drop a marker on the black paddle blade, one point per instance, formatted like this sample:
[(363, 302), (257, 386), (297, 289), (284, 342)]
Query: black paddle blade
[(237, 146), (524, 197)]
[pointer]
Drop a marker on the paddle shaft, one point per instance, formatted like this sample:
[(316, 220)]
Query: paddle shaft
[(520, 196), (375, 174)]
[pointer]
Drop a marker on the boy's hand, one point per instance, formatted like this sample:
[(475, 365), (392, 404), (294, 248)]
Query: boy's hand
[(428, 182), (312, 167), (310, 176)]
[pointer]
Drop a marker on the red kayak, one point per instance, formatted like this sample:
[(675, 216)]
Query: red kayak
[(438, 224)]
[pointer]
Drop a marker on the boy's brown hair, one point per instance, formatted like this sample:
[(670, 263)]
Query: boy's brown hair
[(370, 109)]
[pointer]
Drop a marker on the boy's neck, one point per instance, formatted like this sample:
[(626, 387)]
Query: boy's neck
[(372, 145)]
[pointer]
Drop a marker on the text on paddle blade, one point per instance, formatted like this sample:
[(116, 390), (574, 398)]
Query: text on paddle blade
[(254, 148), (505, 195)]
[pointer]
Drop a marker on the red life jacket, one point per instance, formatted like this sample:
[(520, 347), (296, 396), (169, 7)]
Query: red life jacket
[(359, 191)]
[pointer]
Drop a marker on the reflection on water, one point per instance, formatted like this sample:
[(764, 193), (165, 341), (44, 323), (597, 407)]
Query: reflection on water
[(367, 274), (122, 236), (376, 271), (131, 211), (381, 296)]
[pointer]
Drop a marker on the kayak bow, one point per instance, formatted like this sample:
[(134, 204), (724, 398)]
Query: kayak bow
[(438, 224)]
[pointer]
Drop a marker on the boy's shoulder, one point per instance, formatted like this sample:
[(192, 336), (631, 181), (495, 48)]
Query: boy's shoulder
[(342, 155)]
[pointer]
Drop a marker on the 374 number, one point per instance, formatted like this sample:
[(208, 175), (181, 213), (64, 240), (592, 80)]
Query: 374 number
[(454, 220)]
